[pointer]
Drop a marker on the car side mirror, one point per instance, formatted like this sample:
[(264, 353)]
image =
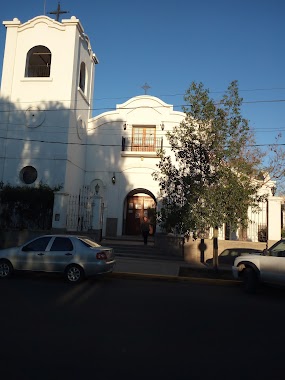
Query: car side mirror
[(265, 252)]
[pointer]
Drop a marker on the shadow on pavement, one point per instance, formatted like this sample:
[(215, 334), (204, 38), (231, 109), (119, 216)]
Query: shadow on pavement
[(206, 272)]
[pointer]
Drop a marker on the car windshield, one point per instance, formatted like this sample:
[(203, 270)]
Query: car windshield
[(225, 253), (277, 247), (89, 243)]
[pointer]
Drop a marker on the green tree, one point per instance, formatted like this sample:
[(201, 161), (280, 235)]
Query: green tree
[(210, 178)]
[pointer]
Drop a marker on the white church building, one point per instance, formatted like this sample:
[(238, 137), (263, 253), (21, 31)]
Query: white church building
[(104, 164)]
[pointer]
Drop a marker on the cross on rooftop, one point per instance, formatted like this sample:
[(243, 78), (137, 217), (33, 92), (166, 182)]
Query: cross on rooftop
[(57, 12), (145, 87)]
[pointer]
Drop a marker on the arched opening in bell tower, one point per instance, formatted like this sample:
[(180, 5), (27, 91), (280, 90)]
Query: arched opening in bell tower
[(38, 62)]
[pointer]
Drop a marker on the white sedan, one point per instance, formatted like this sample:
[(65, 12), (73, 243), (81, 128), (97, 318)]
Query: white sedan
[(265, 267), (74, 256)]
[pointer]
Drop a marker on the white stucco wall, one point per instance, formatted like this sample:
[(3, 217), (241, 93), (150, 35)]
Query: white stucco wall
[(133, 170), (51, 136)]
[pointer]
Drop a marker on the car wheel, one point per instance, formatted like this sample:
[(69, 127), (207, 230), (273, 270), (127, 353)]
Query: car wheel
[(74, 274), (250, 280), (6, 269)]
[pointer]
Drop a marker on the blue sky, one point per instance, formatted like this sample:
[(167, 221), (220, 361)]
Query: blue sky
[(169, 44)]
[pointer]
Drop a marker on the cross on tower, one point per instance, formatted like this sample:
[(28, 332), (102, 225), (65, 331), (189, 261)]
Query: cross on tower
[(145, 87), (57, 12)]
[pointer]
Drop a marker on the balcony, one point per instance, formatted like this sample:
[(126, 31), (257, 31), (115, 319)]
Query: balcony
[(147, 147)]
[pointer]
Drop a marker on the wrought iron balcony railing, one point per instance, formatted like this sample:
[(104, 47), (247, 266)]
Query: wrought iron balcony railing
[(139, 144)]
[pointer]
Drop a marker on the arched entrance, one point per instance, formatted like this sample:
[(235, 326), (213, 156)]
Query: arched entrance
[(138, 203)]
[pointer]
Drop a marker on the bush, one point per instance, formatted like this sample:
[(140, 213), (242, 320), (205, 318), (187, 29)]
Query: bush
[(24, 207)]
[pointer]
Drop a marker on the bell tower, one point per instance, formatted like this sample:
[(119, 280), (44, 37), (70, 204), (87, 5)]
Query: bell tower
[(46, 100)]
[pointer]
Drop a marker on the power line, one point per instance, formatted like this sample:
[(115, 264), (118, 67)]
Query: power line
[(66, 128), (164, 95), (107, 145), (138, 107), (113, 131), (216, 92)]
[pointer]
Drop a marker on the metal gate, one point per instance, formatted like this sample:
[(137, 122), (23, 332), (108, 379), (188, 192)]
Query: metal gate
[(79, 211)]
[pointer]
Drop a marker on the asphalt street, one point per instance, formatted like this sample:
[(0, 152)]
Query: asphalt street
[(134, 260), (136, 329)]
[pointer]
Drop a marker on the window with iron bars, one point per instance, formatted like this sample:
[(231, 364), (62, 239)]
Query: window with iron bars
[(143, 139)]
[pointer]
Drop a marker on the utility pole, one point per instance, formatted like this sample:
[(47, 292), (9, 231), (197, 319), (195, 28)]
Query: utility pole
[(215, 248)]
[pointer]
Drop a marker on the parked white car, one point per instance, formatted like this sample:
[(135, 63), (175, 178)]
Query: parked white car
[(76, 257), (265, 267)]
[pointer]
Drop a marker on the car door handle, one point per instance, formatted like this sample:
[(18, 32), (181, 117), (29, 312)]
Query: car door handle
[(68, 254), (40, 254)]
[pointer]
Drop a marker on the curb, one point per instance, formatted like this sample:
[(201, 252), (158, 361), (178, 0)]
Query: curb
[(149, 257), (217, 281)]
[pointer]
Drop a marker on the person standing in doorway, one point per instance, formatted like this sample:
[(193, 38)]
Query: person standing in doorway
[(145, 229)]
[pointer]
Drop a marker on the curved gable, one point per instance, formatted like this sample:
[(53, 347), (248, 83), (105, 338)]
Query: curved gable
[(34, 22), (144, 102), (144, 109)]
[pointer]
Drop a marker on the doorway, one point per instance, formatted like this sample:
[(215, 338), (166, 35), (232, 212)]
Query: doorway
[(137, 206)]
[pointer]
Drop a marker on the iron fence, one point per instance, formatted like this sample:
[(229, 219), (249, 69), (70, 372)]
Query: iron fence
[(79, 211)]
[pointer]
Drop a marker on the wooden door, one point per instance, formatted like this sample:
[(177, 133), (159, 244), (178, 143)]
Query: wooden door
[(136, 209), (134, 215)]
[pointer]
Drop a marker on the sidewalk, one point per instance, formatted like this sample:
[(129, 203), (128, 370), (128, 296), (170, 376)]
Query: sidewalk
[(132, 262)]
